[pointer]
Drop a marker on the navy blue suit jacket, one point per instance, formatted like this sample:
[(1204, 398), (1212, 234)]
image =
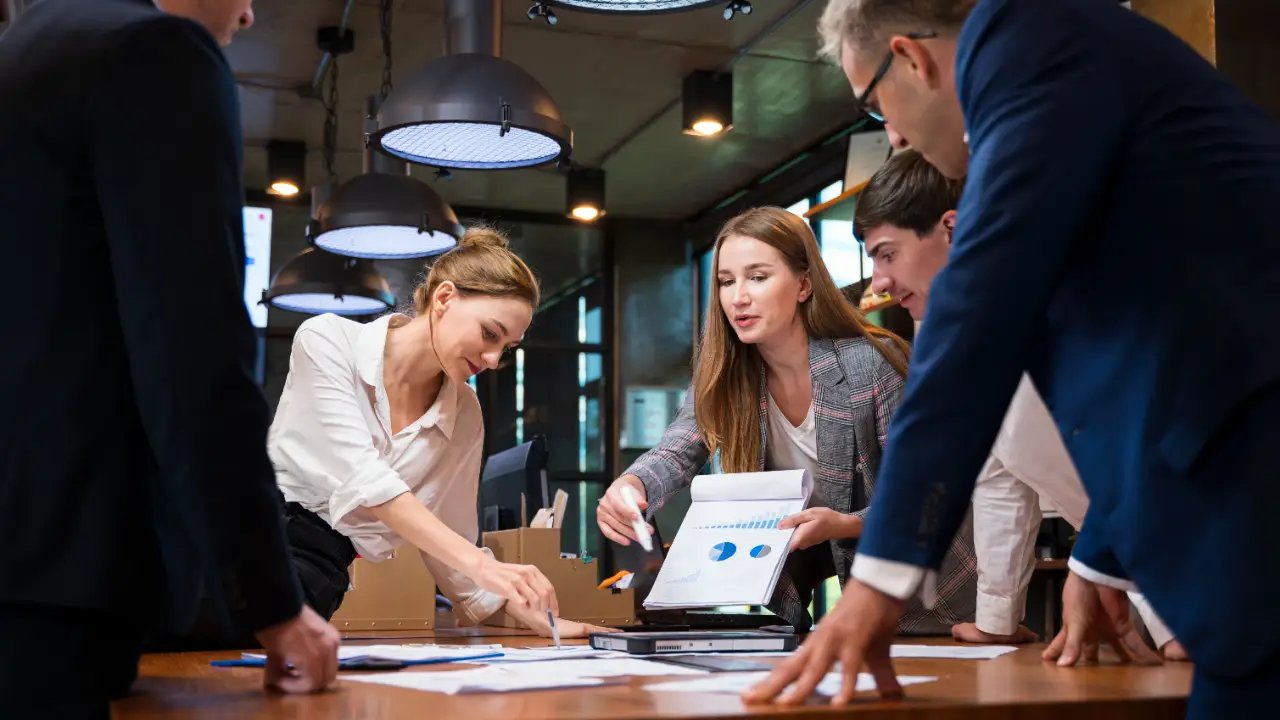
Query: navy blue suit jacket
[(1119, 239), (133, 464)]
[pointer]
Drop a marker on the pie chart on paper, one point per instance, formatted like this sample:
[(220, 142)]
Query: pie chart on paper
[(722, 551)]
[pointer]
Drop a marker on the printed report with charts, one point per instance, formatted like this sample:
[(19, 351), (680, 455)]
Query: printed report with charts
[(729, 549)]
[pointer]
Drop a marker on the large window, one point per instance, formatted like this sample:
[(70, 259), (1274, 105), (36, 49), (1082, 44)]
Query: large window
[(556, 383)]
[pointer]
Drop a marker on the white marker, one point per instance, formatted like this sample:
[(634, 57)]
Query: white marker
[(637, 523)]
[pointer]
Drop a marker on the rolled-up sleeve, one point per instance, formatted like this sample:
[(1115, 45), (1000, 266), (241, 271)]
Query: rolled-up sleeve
[(1006, 520), (327, 435), (456, 508)]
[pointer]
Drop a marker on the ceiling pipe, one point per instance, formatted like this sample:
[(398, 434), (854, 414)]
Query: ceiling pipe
[(473, 26), (325, 60)]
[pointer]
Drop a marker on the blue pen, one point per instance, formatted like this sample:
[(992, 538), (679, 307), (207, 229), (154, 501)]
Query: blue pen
[(365, 662)]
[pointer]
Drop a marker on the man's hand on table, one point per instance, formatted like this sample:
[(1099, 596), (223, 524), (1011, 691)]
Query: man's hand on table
[(1091, 614), (857, 633), (302, 653)]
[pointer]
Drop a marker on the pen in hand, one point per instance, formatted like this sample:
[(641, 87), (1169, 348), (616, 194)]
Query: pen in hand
[(555, 631)]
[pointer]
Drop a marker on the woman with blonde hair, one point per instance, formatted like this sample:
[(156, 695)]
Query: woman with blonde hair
[(377, 440), (789, 375)]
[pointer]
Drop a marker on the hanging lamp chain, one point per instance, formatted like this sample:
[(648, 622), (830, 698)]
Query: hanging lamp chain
[(331, 120), (384, 25)]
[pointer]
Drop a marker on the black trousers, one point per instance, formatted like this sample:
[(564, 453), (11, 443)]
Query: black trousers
[(321, 557), (64, 663)]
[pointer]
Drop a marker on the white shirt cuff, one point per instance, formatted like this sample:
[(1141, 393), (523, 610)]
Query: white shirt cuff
[(1094, 576), (896, 579), (997, 614), (1160, 633)]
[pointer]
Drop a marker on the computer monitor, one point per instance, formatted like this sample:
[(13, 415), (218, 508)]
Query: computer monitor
[(521, 470)]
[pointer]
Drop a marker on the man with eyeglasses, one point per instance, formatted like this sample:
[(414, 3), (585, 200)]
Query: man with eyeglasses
[(1112, 176)]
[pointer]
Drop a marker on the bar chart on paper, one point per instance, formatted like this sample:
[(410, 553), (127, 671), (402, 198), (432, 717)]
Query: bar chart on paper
[(767, 520)]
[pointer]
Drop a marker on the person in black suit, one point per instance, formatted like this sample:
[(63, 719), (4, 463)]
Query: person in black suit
[(133, 470)]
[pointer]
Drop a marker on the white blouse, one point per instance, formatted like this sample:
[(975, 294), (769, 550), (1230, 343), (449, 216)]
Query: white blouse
[(790, 447), (334, 453)]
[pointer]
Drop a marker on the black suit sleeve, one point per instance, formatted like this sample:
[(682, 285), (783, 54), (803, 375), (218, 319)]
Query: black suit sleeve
[(166, 161)]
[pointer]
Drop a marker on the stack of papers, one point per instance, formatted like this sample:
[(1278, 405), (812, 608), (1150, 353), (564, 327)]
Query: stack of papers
[(531, 675), (486, 679), (951, 652), (729, 549), (564, 652), (741, 682), (411, 653)]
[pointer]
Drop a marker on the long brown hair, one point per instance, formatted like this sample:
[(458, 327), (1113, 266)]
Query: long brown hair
[(726, 374)]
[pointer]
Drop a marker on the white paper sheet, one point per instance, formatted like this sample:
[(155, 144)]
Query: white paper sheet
[(951, 652), (487, 679), (729, 550), (564, 652), (407, 652), (743, 681), (773, 485), (599, 668)]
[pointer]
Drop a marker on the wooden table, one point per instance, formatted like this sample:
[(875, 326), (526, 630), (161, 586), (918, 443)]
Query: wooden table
[(1018, 685)]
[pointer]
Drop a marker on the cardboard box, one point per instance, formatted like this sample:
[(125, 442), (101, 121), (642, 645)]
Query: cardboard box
[(395, 594), (575, 581)]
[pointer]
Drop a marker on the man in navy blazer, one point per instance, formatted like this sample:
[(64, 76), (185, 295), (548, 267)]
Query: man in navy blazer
[(1118, 240), (133, 463)]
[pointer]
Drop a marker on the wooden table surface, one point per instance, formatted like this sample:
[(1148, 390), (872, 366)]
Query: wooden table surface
[(1018, 685)]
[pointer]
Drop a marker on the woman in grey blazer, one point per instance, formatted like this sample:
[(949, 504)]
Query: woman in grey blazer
[(788, 376)]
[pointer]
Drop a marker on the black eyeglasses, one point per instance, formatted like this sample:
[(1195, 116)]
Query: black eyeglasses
[(866, 106)]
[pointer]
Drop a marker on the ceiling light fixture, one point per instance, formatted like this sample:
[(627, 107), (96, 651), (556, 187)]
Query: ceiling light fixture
[(584, 194), (637, 7), (472, 109), (384, 214), (315, 281), (707, 102), (286, 167)]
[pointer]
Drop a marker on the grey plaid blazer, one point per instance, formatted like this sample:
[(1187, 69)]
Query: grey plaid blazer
[(855, 393)]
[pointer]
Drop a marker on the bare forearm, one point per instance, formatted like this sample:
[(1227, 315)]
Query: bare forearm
[(418, 525)]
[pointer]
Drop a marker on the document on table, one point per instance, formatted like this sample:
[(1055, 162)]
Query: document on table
[(407, 653), (564, 652), (600, 668), (743, 681), (533, 675), (951, 652), (486, 679), (729, 550)]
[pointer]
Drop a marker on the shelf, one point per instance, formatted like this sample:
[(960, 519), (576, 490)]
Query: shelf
[(879, 306), (839, 207)]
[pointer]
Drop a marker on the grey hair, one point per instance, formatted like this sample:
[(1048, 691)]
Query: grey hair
[(860, 23)]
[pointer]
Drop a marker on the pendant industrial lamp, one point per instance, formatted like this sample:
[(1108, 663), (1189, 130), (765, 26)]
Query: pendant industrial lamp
[(472, 109), (384, 213), (315, 281), (635, 7)]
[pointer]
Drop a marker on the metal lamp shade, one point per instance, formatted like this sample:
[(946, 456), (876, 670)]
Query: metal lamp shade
[(473, 111), (317, 282), (384, 217), (636, 7)]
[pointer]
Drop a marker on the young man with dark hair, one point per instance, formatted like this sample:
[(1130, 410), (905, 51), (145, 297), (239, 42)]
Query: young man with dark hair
[(906, 218)]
